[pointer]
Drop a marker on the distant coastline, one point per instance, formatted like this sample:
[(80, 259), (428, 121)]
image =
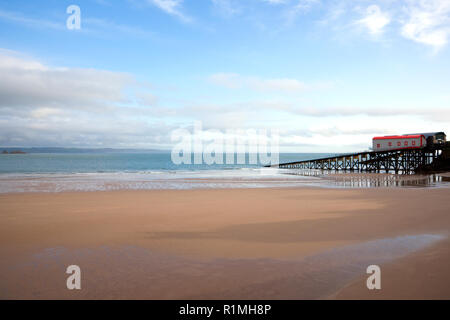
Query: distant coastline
[(25, 150), (13, 152)]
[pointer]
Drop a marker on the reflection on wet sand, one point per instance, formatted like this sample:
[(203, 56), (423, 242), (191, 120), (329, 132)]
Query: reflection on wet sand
[(225, 179), (373, 180), (137, 273)]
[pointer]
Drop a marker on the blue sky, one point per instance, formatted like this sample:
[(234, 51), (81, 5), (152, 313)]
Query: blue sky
[(329, 75)]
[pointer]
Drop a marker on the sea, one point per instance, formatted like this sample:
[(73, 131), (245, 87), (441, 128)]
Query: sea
[(60, 170)]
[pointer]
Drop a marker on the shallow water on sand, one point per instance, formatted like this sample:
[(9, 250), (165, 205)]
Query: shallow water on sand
[(211, 179), (138, 273)]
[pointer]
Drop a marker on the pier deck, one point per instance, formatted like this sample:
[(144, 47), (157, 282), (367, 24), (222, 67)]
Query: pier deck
[(397, 161)]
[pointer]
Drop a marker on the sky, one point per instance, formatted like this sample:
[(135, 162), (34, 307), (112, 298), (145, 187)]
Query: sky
[(327, 75)]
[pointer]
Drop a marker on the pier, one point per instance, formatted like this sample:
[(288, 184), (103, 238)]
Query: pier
[(431, 158)]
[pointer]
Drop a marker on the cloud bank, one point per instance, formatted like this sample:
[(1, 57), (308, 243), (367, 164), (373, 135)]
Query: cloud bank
[(41, 105)]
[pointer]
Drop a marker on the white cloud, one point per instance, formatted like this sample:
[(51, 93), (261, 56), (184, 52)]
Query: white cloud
[(236, 81), (106, 27), (13, 60), (427, 22), (228, 8), (305, 4), (276, 1), (91, 25), (375, 20), (31, 22), (146, 98), (172, 7), (43, 105), (327, 129), (293, 108), (423, 21), (26, 82), (299, 7)]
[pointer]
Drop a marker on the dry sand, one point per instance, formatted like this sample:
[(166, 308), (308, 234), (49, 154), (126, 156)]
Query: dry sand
[(235, 243)]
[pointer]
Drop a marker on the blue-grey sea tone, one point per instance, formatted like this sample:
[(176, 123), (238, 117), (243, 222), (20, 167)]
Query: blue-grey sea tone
[(61, 170)]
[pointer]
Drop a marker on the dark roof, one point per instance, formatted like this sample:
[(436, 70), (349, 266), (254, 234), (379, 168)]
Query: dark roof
[(427, 134)]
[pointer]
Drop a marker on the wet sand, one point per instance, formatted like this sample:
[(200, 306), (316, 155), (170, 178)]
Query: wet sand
[(234, 243), (420, 275)]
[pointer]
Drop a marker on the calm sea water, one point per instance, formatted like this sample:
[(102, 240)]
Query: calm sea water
[(117, 162), (58, 172), (87, 171)]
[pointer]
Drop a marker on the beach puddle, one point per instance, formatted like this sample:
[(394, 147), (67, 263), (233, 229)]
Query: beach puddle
[(138, 273)]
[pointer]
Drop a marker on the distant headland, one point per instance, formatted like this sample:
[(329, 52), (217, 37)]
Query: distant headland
[(13, 152), (27, 150)]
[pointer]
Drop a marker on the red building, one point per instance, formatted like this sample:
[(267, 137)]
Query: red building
[(416, 141)]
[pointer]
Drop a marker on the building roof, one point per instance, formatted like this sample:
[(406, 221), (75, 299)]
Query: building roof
[(409, 136), (426, 134)]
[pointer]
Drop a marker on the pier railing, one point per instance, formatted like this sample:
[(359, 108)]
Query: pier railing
[(396, 161)]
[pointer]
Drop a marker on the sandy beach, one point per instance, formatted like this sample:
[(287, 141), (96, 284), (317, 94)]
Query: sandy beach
[(291, 243), (224, 150)]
